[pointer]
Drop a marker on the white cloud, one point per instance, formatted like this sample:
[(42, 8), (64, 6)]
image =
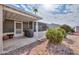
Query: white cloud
[(71, 19)]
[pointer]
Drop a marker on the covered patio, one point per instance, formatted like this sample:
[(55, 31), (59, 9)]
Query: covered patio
[(15, 43), (14, 21)]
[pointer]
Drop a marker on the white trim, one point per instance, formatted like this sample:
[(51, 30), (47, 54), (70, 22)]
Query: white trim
[(16, 29), (22, 27), (37, 29), (8, 33)]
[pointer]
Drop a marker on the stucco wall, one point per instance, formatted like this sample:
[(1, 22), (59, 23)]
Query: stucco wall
[(1, 29)]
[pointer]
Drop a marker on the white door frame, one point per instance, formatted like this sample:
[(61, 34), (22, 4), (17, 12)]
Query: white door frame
[(16, 29)]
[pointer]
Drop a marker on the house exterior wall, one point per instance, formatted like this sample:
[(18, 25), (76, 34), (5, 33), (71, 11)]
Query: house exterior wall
[(77, 28), (1, 29)]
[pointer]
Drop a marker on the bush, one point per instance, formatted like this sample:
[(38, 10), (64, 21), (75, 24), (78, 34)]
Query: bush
[(67, 28), (72, 30), (63, 32), (54, 36)]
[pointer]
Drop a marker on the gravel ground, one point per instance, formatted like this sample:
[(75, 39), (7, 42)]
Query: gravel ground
[(60, 50), (45, 49)]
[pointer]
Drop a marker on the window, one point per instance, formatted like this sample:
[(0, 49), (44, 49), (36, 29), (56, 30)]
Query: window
[(30, 24), (8, 26)]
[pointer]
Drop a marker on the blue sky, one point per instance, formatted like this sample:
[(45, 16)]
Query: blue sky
[(54, 13)]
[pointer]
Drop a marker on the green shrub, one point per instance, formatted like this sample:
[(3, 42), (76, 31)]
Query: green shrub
[(48, 33), (67, 28), (63, 32), (72, 30), (54, 36)]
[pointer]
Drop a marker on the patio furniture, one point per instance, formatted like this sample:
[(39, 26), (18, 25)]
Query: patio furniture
[(28, 33), (7, 36), (10, 36)]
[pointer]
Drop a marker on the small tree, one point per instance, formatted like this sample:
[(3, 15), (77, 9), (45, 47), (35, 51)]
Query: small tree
[(67, 28), (35, 10)]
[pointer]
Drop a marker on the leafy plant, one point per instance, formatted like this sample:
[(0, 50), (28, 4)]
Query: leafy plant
[(63, 32), (72, 30), (54, 36), (67, 28)]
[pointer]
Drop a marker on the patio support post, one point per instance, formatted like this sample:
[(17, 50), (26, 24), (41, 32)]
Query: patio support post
[(37, 29), (75, 29), (14, 28), (1, 29)]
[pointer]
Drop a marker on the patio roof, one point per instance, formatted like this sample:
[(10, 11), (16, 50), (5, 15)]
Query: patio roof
[(22, 12)]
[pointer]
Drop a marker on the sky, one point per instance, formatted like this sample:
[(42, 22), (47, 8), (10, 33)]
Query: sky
[(54, 13)]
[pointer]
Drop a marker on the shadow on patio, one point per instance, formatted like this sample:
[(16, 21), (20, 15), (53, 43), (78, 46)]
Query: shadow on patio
[(25, 49)]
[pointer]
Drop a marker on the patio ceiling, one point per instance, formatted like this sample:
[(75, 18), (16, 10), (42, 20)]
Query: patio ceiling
[(14, 14), (18, 17)]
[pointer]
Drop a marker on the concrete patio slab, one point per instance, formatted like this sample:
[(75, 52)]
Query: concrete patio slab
[(18, 42)]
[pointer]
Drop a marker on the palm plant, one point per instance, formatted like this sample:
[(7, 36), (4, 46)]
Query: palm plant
[(35, 10)]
